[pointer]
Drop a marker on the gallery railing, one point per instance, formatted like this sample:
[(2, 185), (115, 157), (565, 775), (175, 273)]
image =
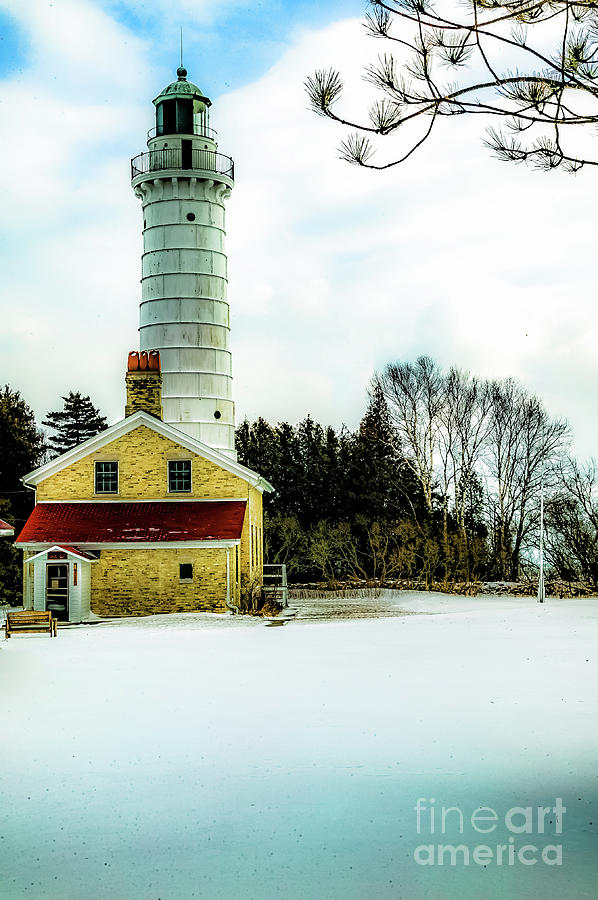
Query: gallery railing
[(177, 158)]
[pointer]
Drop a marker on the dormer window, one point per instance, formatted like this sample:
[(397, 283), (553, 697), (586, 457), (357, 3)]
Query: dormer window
[(179, 476), (106, 478)]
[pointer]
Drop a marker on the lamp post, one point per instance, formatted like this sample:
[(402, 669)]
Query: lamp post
[(541, 586)]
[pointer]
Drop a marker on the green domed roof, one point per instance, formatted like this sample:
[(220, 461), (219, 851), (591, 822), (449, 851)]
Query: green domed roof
[(184, 90)]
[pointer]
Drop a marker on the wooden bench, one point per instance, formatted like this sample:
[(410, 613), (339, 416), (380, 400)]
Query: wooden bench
[(30, 621)]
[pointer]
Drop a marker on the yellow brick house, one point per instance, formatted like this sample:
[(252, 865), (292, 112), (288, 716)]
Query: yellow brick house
[(142, 519)]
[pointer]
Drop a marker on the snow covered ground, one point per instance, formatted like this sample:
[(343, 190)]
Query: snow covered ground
[(212, 757)]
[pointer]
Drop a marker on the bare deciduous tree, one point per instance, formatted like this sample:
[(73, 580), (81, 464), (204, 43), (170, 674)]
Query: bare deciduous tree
[(466, 424), (468, 400), (525, 448), (414, 393), (572, 520), (456, 429)]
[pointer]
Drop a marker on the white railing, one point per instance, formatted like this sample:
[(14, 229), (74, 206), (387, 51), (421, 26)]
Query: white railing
[(275, 582)]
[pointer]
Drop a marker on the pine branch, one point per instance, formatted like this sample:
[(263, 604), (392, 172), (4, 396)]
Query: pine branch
[(323, 88), (538, 103)]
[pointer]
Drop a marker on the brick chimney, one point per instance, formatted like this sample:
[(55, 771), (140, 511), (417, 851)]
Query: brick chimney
[(144, 383)]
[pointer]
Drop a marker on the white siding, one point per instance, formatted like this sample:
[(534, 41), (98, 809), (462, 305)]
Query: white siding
[(74, 591), (39, 583), (85, 587)]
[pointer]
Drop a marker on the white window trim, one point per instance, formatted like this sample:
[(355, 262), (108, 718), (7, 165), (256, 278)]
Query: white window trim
[(180, 459), (106, 493)]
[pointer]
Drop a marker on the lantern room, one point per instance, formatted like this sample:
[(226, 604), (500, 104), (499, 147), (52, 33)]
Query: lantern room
[(181, 108)]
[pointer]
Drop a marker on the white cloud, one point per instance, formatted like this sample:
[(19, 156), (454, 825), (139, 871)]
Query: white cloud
[(75, 48), (334, 270), (480, 264), (71, 247)]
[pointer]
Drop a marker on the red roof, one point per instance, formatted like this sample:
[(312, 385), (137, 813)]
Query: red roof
[(97, 523), (6, 527)]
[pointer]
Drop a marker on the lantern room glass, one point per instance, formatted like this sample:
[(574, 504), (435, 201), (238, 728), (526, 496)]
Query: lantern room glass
[(174, 117)]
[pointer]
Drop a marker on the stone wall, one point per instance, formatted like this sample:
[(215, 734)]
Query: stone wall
[(143, 456), (146, 582)]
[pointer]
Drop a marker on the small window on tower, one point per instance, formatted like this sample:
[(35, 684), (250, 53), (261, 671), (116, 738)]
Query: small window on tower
[(106, 478), (217, 414), (186, 572), (179, 476), (191, 217)]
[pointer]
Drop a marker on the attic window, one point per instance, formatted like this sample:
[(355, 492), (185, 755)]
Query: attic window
[(106, 478), (179, 476)]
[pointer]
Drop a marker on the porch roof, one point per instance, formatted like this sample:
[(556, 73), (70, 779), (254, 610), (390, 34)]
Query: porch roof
[(64, 548), (130, 522), (6, 529)]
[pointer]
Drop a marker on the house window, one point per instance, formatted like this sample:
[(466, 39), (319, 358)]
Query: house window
[(106, 478), (179, 476), (186, 572)]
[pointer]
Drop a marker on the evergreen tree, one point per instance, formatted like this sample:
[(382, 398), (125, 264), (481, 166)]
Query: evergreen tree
[(310, 437), (257, 448), (76, 422), (384, 488), (289, 478), (242, 442), (334, 477), (22, 449), (11, 574)]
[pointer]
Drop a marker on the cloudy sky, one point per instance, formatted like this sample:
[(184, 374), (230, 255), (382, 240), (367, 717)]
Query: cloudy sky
[(334, 271)]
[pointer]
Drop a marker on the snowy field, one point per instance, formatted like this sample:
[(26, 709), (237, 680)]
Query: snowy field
[(212, 757)]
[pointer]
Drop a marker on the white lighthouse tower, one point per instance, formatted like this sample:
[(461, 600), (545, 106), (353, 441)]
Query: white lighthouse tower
[(183, 183)]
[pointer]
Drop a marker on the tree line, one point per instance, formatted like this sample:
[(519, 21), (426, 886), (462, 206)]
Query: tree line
[(441, 482)]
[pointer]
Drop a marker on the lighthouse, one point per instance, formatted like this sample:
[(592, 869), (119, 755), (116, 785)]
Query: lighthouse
[(183, 182)]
